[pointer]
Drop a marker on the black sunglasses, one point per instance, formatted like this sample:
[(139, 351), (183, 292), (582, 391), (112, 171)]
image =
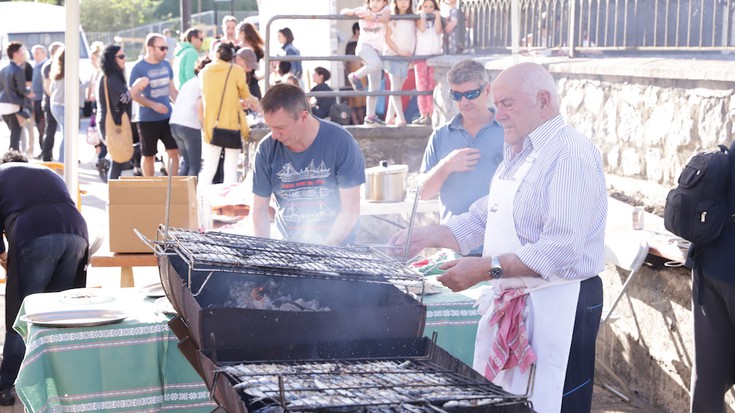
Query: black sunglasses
[(120, 56), (470, 94), (162, 48)]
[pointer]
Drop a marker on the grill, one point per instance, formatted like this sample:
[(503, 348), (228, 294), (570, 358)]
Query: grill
[(276, 326), (243, 254)]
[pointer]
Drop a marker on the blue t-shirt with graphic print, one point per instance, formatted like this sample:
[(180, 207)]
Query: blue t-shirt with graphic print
[(306, 184), (159, 76)]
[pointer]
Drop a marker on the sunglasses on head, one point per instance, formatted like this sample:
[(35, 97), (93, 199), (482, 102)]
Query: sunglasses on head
[(470, 94), (162, 48)]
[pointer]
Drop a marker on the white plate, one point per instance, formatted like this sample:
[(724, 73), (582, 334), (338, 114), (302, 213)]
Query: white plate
[(85, 296), (164, 306), (75, 318), (154, 290)]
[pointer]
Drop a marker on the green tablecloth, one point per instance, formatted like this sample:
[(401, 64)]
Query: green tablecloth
[(130, 366), (453, 317)]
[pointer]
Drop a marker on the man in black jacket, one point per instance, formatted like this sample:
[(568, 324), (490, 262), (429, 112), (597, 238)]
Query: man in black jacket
[(47, 247), (13, 92)]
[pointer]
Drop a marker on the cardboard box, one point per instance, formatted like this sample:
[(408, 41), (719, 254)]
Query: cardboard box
[(140, 203)]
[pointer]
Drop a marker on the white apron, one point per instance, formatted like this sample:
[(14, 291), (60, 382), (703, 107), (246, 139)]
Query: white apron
[(550, 306)]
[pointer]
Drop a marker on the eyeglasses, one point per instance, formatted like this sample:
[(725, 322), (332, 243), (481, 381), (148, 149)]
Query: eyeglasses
[(162, 48), (470, 94), (120, 56)]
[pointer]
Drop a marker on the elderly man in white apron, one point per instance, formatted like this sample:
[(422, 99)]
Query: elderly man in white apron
[(542, 225)]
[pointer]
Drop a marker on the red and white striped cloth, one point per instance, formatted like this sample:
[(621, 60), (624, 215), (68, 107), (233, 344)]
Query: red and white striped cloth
[(511, 347)]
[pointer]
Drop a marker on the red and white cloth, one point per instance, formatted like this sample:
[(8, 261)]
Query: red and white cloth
[(511, 347)]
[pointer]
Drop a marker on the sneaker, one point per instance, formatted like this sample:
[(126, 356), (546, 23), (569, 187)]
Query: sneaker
[(355, 82), (7, 397), (373, 121), (103, 167), (424, 120)]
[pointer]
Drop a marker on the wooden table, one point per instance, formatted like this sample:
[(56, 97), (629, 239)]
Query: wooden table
[(126, 262)]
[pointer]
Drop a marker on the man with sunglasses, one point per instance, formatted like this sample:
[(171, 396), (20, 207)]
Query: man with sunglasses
[(155, 93), (462, 155)]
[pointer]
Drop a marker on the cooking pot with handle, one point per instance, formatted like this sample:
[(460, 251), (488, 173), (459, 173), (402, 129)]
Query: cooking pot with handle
[(386, 183)]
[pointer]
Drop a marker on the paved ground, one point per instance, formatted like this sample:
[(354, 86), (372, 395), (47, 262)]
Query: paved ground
[(93, 208)]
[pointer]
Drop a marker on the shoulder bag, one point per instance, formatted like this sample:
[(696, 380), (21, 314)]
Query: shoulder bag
[(119, 138), (226, 138)]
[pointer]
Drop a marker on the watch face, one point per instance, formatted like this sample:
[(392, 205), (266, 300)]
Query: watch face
[(496, 272)]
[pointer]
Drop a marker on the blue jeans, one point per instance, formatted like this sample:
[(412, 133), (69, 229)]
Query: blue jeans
[(58, 112), (46, 264), (189, 141)]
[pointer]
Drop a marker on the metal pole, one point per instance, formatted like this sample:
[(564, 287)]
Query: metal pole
[(572, 22), (515, 34), (71, 100), (185, 15)]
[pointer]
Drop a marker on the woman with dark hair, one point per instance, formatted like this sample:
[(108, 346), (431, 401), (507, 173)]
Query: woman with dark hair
[(58, 96), (285, 37), (249, 37), (223, 86), (113, 74)]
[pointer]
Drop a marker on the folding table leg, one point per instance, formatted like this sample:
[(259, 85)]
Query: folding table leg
[(126, 277)]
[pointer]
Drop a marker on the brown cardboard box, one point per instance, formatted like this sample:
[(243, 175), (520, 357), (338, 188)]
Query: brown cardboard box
[(140, 203)]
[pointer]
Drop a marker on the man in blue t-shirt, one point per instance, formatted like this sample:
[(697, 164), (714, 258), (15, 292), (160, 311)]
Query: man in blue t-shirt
[(462, 155), (314, 168), (155, 94)]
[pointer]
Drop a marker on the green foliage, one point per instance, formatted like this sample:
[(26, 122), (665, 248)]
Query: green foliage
[(112, 15), (172, 8)]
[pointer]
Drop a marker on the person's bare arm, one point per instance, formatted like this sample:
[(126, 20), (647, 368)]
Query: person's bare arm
[(135, 93), (200, 110), (465, 272), (348, 214), (172, 92), (261, 220), (460, 160)]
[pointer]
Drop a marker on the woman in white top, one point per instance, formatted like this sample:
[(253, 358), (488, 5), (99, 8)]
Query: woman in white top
[(185, 124), (400, 40), (374, 16)]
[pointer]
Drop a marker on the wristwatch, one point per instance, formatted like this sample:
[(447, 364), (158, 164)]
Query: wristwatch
[(496, 271)]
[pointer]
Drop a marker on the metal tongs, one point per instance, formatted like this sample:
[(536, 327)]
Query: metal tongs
[(412, 220)]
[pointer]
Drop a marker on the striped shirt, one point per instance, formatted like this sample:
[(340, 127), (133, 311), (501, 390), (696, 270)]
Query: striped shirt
[(560, 207)]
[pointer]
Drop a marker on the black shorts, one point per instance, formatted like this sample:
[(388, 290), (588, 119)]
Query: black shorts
[(151, 132)]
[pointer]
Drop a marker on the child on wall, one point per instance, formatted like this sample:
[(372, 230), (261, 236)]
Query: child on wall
[(400, 40), (428, 42), (374, 16), (453, 28)]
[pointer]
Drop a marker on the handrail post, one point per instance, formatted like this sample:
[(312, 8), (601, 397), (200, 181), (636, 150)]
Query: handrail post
[(572, 22)]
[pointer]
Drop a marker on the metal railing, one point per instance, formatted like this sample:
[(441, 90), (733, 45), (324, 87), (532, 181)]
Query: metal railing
[(132, 39), (589, 25), (340, 58)]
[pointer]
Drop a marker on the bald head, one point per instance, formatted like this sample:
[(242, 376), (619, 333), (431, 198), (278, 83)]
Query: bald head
[(531, 79), (525, 96)]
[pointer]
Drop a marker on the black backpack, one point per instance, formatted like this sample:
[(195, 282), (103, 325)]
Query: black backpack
[(696, 209)]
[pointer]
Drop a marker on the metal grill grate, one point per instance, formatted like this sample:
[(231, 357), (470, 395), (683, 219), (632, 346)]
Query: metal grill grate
[(239, 253), (388, 384)]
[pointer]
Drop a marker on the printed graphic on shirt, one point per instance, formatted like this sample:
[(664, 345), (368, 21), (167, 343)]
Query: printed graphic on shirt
[(159, 81), (305, 194)]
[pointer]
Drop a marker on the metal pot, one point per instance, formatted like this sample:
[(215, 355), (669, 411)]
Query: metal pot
[(386, 183)]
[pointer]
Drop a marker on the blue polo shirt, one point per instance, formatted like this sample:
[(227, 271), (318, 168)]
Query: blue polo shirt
[(461, 189)]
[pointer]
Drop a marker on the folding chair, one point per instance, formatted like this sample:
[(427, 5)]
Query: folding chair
[(628, 254)]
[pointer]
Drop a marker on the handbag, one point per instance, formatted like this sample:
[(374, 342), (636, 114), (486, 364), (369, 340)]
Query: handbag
[(93, 135), (119, 137), (226, 138)]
